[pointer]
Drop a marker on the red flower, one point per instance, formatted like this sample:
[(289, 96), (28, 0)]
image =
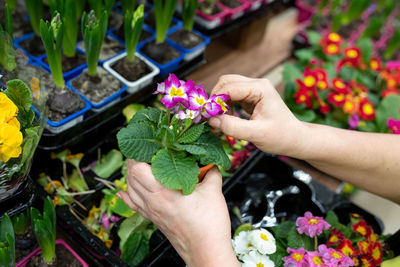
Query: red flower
[(376, 253), (336, 99), (322, 79), (303, 96), (345, 62), (324, 108), (335, 237), (375, 64), (387, 92), (391, 82), (310, 78), (334, 38), (363, 247), (366, 110), (367, 261), (331, 49), (362, 228), (353, 53), (238, 157), (340, 86), (231, 141), (358, 88), (346, 247), (350, 105)]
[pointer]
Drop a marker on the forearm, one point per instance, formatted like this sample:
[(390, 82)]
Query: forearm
[(368, 160)]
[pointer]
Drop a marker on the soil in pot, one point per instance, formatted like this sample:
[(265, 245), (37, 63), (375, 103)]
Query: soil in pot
[(97, 88), (231, 3), (62, 103), (131, 70), (121, 35), (64, 258), (33, 46), (161, 53), (186, 38), (24, 244), (70, 63), (110, 48), (209, 8), (150, 20)]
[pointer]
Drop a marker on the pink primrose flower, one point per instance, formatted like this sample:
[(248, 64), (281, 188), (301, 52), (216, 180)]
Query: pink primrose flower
[(313, 259), (311, 225), (394, 125), (197, 98), (296, 258)]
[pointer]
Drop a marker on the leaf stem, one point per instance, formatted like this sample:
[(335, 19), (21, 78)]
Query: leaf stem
[(316, 243), (168, 117)]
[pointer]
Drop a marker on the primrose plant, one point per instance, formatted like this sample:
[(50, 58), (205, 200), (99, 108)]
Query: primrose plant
[(7, 57), (189, 8), (44, 228), (93, 32), (176, 140), (35, 11), (7, 242), (133, 22), (163, 10)]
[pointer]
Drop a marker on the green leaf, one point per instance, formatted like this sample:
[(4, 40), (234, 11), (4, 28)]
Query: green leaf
[(282, 230), (306, 115), (165, 135), (314, 37), (243, 228), (305, 54), (130, 110), (332, 219), (7, 242), (117, 205), (393, 45), (296, 240), (136, 249), (175, 170), (278, 255), (76, 182), (19, 93), (291, 72), (137, 141), (192, 134), (347, 73), (31, 140), (109, 164), (148, 115), (135, 223), (366, 46), (389, 108), (330, 69), (374, 26), (192, 149)]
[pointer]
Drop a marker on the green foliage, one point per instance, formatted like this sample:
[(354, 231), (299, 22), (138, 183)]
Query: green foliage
[(306, 115), (52, 35), (374, 26), (189, 8), (314, 37), (8, 25), (108, 164), (128, 5), (35, 11), (291, 72), (135, 233), (7, 56), (133, 22), (115, 204), (7, 242), (305, 54), (388, 108), (243, 228), (355, 10), (20, 223), (99, 6), (44, 228), (172, 149), (12, 4), (296, 240), (164, 10), (393, 45), (366, 46), (94, 30)]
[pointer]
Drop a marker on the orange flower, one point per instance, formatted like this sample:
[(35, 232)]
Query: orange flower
[(367, 110), (350, 106), (375, 64), (363, 247), (358, 88), (391, 82), (331, 49), (340, 86)]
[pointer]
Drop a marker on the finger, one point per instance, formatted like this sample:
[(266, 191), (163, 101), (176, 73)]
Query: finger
[(125, 197), (235, 127), (136, 198), (230, 78), (141, 172), (212, 179), (242, 92)]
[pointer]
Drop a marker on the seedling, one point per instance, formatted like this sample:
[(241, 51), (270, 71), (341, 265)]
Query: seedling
[(20, 223), (35, 11), (188, 11), (164, 10), (7, 242), (133, 22), (128, 5), (7, 57), (99, 6)]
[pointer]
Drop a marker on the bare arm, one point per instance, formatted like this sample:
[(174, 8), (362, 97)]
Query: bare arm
[(368, 160)]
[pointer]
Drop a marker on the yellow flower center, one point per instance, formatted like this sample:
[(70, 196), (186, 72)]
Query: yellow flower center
[(333, 239), (374, 237), (309, 81), (365, 262), (376, 253), (321, 85), (313, 221), (297, 256), (352, 53), (334, 37), (332, 48), (222, 104), (200, 101), (339, 97), (176, 92), (348, 105), (263, 237), (317, 260), (346, 250), (302, 98), (339, 84), (367, 109), (374, 65), (362, 229), (391, 82), (260, 264), (336, 255)]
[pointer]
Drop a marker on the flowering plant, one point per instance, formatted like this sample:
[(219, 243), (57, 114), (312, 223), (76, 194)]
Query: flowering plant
[(311, 241), (341, 85), (175, 140)]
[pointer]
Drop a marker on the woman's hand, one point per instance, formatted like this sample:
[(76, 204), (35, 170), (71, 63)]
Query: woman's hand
[(272, 126), (197, 225)]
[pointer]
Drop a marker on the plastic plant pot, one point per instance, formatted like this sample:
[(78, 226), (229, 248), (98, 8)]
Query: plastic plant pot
[(195, 51), (164, 68), (305, 11), (69, 74), (234, 13), (19, 40), (133, 86), (98, 106), (37, 251), (211, 21)]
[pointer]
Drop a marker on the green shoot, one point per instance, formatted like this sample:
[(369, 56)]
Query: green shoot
[(7, 57), (393, 45), (35, 11), (98, 6), (93, 32), (188, 11), (52, 33), (128, 5), (20, 223), (8, 26), (164, 10), (133, 22), (12, 4), (7, 242), (44, 228)]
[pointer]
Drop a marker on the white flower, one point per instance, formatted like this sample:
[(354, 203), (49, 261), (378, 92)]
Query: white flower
[(263, 241), (255, 259), (241, 244)]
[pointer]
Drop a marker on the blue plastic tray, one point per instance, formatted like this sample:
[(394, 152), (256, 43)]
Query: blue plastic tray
[(24, 38), (194, 49)]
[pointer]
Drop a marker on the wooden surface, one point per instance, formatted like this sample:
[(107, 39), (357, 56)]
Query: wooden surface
[(274, 48)]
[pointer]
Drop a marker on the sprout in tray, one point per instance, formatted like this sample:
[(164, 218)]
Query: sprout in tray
[(133, 22), (128, 5), (7, 242), (99, 6), (35, 11), (188, 11), (7, 57), (178, 140), (164, 10)]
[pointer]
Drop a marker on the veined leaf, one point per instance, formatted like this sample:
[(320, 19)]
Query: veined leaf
[(19, 93), (192, 149), (148, 115), (192, 134)]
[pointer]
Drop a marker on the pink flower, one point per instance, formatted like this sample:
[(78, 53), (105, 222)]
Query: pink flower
[(175, 92), (190, 114), (296, 258), (354, 120), (313, 259), (311, 225), (105, 221), (216, 105), (394, 125), (197, 98), (334, 258)]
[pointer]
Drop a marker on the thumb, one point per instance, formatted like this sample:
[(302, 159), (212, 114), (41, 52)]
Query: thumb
[(213, 179), (234, 126)]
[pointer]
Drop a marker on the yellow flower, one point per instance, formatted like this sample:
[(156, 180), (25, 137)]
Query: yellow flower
[(10, 142), (8, 109), (14, 122)]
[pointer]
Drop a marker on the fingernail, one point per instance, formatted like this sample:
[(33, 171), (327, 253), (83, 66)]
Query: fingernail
[(215, 122)]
